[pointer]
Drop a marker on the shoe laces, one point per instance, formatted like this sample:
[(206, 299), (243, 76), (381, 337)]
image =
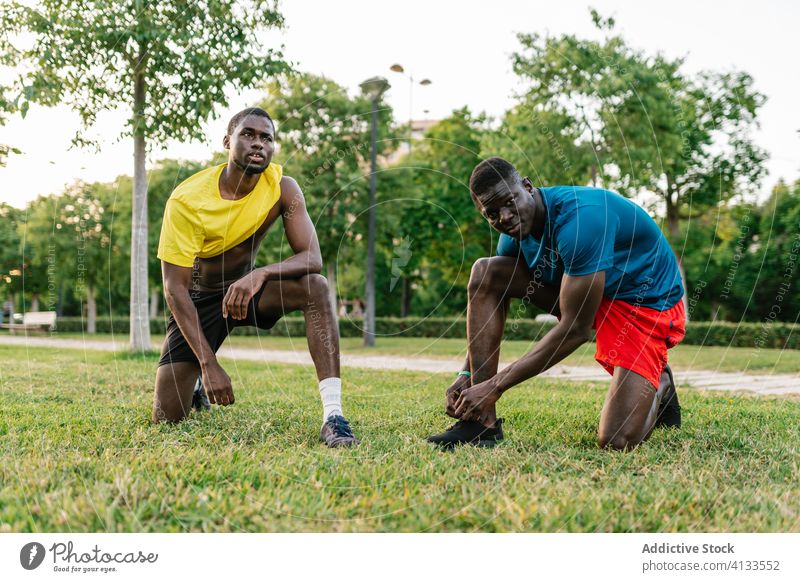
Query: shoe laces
[(458, 424), (341, 428)]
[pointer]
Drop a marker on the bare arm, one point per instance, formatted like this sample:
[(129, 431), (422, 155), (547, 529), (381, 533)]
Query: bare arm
[(300, 233), (302, 237), (176, 291), (579, 300)]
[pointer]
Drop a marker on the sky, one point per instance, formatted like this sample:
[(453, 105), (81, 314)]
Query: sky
[(464, 48)]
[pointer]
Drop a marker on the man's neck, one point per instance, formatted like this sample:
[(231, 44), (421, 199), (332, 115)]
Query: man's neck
[(234, 183), (540, 217)]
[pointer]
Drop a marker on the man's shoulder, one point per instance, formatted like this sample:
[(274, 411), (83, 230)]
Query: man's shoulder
[(288, 184), (576, 195), (202, 182), (290, 190), (567, 203)]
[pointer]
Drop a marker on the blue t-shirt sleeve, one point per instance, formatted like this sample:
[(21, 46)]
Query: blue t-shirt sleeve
[(507, 247), (586, 240)]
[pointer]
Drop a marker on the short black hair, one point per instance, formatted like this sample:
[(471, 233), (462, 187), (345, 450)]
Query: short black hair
[(237, 119), (489, 172)]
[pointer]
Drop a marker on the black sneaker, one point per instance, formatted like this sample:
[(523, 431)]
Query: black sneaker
[(336, 432), (469, 432), (669, 411), (199, 397)]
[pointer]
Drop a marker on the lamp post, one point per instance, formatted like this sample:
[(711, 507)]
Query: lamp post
[(372, 88), (405, 300), (398, 68)]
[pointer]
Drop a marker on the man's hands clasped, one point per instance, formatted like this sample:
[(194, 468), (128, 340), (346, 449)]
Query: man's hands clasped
[(477, 403), (467, 402)]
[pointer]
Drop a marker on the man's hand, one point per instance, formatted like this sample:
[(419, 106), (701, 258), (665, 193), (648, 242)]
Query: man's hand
[(452, 394), (218, 385), (238, 296), (475, 403)]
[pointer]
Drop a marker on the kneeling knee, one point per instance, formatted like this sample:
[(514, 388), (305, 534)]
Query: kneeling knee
[(480, 276), (619, 441), (159, 417), (315, 287)]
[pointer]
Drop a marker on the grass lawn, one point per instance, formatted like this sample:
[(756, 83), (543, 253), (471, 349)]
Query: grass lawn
[(77, 453), (682, 357)]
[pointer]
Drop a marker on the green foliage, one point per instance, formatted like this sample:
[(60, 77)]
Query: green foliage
[(636, 122), (434, 219), (324, 138), (81, 239), (772, 270), (169, 63), (88, 54), (762, 335), (11, 260)]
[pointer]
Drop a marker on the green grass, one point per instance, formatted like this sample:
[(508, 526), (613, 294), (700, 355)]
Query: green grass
[(77, 453), (723, 359)]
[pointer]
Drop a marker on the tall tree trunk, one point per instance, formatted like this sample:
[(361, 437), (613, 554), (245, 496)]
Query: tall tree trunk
[(331, 276), (405, 301), (91, 310), (139, 318), (674, 229), (369, 292), (155, 298)]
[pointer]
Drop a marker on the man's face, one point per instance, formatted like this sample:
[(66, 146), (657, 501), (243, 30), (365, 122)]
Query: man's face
[(251, 144), (509, 207)]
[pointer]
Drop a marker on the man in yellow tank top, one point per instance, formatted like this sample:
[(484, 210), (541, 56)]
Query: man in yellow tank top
[(213, 225)]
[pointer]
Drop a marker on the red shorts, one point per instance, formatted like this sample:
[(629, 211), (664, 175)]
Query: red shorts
[(637, 338)]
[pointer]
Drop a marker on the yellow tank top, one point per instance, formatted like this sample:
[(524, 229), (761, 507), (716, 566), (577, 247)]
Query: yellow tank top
[(198, 222)]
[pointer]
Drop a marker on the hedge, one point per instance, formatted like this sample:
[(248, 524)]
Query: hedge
[(753, 335)]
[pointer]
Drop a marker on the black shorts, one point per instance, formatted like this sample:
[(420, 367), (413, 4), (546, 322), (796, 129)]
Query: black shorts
[(215, 327)]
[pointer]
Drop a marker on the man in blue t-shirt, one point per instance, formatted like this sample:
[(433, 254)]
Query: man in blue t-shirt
[(597, 261)]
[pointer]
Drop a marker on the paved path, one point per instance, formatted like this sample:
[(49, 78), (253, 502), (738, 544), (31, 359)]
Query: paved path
[(705, 379)]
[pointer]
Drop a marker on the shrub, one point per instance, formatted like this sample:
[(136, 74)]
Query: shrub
[(710, 333)]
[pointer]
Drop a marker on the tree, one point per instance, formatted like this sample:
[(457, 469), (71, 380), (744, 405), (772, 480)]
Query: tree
[(324, 144), (169, 62), (11, 265), (161, 181), (68, 240), (771, 273), (444, 232), (649, 126), (544, 143)]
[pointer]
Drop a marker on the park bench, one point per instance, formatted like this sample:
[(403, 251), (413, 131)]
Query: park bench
[(34, 321)]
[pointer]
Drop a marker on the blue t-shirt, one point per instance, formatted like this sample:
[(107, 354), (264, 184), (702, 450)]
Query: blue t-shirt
[(588, 230)]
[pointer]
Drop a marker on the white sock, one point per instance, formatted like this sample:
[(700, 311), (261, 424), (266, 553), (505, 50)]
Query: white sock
[(330, 389)]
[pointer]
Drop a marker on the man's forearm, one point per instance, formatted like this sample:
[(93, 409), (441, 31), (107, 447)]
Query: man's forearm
[(556, 345), (185, 314), (296, 266)]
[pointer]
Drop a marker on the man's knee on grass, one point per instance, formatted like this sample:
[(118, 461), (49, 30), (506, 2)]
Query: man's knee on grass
[(168, 414), (623, 439), (172, 399)]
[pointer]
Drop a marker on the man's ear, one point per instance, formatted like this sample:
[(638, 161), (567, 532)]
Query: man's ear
[(226, 142), (526, 183)]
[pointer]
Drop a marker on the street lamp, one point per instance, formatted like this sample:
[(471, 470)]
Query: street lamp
[(372, 88), (398, 68), (405, 301)]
